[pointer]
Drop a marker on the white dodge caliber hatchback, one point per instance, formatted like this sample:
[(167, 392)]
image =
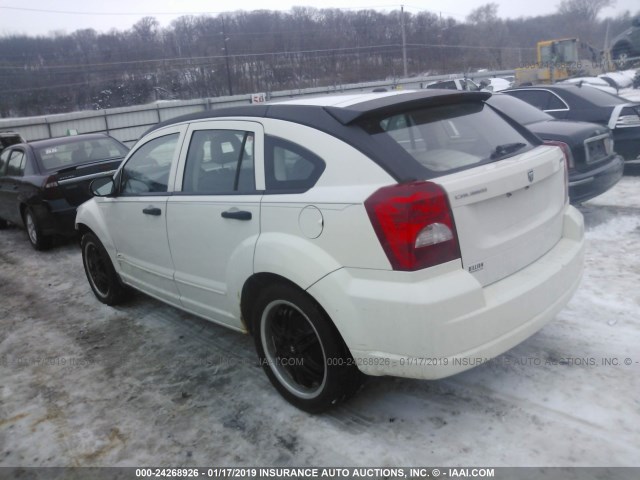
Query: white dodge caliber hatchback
[(405, 234)]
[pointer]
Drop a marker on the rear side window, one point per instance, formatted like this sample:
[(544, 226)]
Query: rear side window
[(541, 99), (16, 165), (555, 103), (520, 111), (538, 98), (3, 160), (289, 166), (448, 138)]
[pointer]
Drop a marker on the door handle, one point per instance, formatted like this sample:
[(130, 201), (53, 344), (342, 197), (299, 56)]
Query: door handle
[(152, 211), (237, 214)]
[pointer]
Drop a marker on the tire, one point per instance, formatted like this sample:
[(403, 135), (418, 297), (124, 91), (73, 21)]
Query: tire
[(102, 277), (301, 351), (3, 224), (621, 55), (38, 240)]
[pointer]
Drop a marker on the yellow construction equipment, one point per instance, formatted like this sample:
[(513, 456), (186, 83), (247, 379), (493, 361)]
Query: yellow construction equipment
[(560, 59)]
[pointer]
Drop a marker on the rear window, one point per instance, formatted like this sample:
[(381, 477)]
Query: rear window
[(597, 97), (449, 138), (518, 109), (70, 153)]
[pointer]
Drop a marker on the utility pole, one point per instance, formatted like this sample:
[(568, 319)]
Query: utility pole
[(442, 55), (226, 56), (404, 42)]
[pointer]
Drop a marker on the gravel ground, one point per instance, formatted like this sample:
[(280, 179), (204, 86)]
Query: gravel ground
[(83, 384)]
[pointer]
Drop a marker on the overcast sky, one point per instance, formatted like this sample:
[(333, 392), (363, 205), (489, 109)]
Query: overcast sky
[(40, 17)]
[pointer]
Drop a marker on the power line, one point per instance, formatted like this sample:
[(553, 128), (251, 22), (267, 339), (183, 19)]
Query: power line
[(204, 12), (208, 57), (192, 60), (75, 12)]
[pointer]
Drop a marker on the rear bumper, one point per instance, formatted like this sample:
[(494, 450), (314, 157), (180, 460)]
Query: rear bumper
[(587, 185), (627, 142), (441, 321)]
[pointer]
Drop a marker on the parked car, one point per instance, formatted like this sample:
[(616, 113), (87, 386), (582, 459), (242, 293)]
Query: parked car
[(462, 84), (399, 233), (43, 182), (9, 138), (495, 84), (594, 166), (576, 102), (625, 48), (466, 84), (620, 79)]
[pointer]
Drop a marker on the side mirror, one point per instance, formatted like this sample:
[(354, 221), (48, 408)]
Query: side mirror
[(102, 187)]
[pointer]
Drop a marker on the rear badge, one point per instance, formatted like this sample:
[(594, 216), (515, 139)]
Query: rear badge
[(530, 175), (469, 194), (476, 268)]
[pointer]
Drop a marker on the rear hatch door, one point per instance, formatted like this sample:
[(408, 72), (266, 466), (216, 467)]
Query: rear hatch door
[(508, 213)]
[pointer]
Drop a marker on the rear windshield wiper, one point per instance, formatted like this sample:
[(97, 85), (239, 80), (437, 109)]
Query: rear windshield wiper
[(506, 149)]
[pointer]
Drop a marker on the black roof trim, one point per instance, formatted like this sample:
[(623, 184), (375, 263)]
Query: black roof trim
[(239, 111), (341, 122), (390, 104), (344, 115)]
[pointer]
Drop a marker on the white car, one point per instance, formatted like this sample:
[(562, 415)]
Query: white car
[(496, 84), (413, 234), (462, 84)]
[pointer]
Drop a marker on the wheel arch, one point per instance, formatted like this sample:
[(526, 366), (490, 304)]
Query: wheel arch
[(89, 220), (251, 290), (622, 45), (23, 210), (257, 283)]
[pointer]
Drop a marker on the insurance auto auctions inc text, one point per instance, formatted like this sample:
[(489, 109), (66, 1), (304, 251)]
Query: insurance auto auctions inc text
[(374, 472)]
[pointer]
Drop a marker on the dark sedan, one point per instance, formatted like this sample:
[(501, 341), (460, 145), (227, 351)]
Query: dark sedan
[(593, 165), (588, 104), (43, 182)]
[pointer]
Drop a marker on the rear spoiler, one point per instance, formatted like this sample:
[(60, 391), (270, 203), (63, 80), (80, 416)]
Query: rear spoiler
[(388, 105)]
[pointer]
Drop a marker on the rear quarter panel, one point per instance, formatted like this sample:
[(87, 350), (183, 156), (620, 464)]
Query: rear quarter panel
[(340, 234)]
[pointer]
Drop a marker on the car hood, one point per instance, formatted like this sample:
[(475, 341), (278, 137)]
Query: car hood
[(566, 131)]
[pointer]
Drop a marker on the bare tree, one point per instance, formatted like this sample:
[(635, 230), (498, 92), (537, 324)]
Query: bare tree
[(270, 50), (587, 10)]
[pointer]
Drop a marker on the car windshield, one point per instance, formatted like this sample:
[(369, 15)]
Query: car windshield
[(70, 152), (519, 110), (448, 138)]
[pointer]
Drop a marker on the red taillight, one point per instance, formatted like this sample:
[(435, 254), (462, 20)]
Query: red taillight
[(50, 186), (414, 224), (568, 163), (51, 182), (565, 149)]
